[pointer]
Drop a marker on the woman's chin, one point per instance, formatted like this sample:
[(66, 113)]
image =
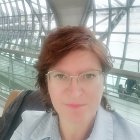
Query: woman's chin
[(75, 117)]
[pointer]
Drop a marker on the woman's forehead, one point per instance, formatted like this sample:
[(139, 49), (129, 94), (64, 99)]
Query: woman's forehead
[(79, 61)]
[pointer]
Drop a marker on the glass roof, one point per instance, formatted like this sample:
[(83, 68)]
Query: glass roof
[(24, 23), (117, 23)]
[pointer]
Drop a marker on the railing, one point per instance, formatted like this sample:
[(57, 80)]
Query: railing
[(24, 74), (126, 102), (17, 72)]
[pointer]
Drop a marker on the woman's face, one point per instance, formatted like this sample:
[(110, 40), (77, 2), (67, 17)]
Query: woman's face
[(76, 99)]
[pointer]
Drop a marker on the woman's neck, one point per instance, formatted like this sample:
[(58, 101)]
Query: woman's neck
[(75, 131)]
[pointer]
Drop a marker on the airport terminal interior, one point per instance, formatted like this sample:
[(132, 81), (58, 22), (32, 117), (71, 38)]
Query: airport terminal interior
[(25, 23)]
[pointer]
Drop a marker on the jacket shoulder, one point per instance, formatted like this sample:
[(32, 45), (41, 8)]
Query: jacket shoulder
[(124, 129), (33, 117), (30, 120)]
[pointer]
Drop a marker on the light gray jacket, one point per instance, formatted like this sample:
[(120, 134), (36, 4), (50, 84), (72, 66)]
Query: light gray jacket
[(39, 125)]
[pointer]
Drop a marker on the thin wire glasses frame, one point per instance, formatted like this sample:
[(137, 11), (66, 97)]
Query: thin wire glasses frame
[(63, 80)]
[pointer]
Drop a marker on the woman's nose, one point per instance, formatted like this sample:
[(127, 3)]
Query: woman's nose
[(74, 87)]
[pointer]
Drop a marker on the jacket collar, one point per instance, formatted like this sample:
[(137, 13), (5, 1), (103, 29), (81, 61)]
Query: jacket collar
[(47, 129), (103, 126), (102, 130)]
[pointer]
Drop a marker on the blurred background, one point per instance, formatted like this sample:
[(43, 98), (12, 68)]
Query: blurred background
[(25, 23)]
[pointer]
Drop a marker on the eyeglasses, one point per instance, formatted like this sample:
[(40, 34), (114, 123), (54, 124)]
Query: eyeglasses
[(84, 80)]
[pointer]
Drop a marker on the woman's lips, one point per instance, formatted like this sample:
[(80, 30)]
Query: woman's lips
[(71, 105)]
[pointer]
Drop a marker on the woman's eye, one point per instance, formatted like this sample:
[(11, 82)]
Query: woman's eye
[(60, 76), (89, 76)]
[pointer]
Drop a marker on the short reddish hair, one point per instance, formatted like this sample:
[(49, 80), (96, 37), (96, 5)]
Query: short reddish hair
[(58, 44)]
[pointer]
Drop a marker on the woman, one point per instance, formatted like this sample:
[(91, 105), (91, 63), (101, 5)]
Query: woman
[(71, 69)]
